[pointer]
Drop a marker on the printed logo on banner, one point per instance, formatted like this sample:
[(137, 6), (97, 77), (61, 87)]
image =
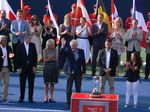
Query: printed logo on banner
[(93, 108)]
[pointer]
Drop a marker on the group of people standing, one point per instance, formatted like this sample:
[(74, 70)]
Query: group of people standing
[(74, 51)]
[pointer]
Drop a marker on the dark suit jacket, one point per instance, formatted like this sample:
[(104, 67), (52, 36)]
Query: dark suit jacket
[(99, 38), (7, 30), (113, 62), (23, 58), (8, 48), (71, 64)]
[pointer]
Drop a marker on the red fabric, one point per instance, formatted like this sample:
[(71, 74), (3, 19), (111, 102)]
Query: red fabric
[(46, 18), (23, 10), (128, 23), (148, 25), (93, 18), (74, 20)]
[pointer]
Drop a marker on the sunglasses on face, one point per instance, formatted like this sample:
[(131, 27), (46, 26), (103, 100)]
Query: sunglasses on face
[(34, 19)]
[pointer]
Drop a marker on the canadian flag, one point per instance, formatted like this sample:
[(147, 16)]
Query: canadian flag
[(137, 14), (55, 25), (82, 12), (9, 12), (114, 12)]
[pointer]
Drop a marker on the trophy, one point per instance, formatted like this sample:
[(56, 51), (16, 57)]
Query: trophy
[(95, 92)]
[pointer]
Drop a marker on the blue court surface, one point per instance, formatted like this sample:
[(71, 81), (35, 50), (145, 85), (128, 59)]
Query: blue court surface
[(60, 95)]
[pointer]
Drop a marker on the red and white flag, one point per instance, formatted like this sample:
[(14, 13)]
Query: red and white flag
[(55, 25), (137, 14), (23, 10), (114, 12), (9, 12), (82, 12)]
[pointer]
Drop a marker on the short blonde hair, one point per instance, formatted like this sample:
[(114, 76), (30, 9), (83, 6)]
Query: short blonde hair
[(50, 42), (118, 19), (67, 16)]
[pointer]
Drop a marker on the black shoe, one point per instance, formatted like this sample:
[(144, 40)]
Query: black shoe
[(52, 101), (31, 101), (125, 75), (67, 106), (146, 77), (93, 74), (20, 101)]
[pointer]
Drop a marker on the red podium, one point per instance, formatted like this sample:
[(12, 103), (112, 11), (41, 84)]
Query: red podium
[(82, 102)]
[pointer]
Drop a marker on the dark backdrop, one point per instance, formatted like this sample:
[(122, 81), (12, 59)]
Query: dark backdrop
[(61, 7)]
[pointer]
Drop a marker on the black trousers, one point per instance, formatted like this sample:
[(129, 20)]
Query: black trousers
[(28, 75), (78, 82), (94, 58), (15, 52), (147, 67)]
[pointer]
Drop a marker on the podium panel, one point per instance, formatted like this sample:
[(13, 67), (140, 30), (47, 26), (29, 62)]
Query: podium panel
[(82, 102)]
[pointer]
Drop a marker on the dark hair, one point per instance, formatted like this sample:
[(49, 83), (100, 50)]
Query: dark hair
[(108, 40), (19, 10), (137, 58), (100, 15), (49, 21), (83, 18), (26, 35), (135, 20)]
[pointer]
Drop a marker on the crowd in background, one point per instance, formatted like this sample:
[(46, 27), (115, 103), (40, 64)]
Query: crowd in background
[(77, 38)]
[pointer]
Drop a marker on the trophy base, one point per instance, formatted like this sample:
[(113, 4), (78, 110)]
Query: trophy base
[(95, 94)]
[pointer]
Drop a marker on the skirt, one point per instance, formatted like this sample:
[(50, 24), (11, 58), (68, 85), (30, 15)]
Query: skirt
[(85, 46), (50, 73)]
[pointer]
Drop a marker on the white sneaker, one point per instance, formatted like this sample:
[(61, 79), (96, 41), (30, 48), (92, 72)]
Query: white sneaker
[(149, 108)]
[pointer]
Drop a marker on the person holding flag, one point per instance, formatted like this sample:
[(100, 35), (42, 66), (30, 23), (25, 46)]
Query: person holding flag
[(27, 11), (46, 16), (148, 22), (93, 15), (74, 19)]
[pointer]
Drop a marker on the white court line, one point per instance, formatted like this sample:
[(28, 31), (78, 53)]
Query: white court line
[(40, 110)]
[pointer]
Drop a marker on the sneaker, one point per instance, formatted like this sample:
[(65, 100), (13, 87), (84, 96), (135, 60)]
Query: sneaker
[(149, 108), (135, 106), (5, 100), (126, 105), (88, 62)]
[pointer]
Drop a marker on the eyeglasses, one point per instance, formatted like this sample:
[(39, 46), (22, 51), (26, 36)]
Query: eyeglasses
[(34, 19)]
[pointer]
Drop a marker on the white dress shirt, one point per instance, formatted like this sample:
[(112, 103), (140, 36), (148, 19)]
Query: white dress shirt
[(27, 48), (5, 62), (108, 58), (99, 25)]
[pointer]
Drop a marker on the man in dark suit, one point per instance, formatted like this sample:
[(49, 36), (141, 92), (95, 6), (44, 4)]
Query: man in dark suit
[(74, 67), (18, 28), (4, 25), (5, 65), (27, 62), (99, 32), (108, 61)]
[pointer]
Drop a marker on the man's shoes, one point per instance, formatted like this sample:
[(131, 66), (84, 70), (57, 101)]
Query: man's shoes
[(20, 101), (41, 60), (125, 75), (5, 100), (31, 101), (67, 106), (146, 77), (93, 74), (89, 62)]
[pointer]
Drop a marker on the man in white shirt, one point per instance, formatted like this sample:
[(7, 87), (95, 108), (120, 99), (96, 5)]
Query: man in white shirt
[(108, 61), (5, 65)]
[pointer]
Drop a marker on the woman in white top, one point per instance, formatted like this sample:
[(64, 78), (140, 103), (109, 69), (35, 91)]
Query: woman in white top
[(35, 29), (82, 33)]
